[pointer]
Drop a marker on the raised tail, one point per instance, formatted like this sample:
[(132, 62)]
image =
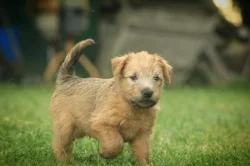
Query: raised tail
[(67, 68)]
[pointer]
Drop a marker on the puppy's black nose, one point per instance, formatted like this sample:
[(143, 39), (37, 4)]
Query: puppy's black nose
[(147, 93)]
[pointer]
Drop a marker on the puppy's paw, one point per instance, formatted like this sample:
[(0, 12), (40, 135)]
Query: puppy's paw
[(109, 154)]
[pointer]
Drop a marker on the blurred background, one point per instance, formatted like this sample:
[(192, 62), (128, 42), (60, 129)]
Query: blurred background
[(206, 41)]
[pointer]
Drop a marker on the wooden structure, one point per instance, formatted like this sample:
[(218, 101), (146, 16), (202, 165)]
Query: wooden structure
[(182, 32)]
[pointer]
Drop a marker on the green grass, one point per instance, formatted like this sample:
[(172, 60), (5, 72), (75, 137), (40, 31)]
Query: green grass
[(196, 126)]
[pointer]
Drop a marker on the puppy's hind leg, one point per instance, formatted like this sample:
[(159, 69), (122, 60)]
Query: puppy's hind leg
[(63, 141)]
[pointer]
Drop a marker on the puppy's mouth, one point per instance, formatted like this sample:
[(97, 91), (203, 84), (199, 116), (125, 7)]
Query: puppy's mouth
[(144, 103)]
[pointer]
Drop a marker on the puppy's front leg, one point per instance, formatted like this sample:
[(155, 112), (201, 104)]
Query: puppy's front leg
[(111, 141), (140, 146)]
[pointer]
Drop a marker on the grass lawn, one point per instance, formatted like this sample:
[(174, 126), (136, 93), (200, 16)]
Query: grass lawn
[(196, 126)]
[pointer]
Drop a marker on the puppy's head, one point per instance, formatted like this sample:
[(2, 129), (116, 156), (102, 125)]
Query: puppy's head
[(140, 77)]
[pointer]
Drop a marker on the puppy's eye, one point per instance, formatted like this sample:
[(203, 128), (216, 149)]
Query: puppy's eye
[(133, 78), (156, 78)]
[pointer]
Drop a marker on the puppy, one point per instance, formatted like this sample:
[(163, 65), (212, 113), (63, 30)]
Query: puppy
[(113, 111)]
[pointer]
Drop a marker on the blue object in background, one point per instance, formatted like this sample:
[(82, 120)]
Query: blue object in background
[(5, 44)]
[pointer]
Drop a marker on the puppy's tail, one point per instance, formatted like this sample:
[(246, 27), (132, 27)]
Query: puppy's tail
[(67, 68)]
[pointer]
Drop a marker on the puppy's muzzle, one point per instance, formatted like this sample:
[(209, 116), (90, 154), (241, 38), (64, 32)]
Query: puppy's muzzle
[(147, 93), (146, 100)]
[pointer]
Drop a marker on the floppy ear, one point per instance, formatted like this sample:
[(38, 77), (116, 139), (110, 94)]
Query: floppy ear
[(167, 69), (118, 64)]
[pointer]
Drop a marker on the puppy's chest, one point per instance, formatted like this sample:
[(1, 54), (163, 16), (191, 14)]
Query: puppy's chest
[(129, 127)]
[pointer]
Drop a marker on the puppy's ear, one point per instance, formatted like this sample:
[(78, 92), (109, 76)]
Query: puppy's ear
[(167, 69), (118, 63)]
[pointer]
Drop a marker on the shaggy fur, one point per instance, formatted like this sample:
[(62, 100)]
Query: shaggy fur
[(113, 111)]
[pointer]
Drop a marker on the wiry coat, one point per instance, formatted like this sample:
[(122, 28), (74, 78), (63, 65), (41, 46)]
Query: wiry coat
[(113, 111)]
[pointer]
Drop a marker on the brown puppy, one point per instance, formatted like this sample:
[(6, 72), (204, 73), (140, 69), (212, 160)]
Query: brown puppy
[(113, 111)]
